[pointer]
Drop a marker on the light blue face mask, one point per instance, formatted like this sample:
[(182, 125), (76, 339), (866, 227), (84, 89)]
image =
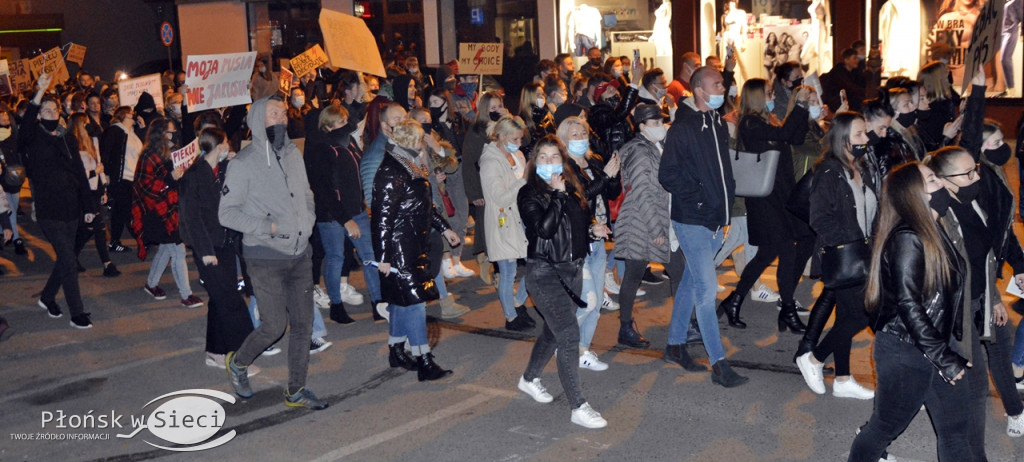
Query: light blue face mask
[(548, 171), (815, 112), (769, 105), (716, 101), (577, 148), (511, 148)]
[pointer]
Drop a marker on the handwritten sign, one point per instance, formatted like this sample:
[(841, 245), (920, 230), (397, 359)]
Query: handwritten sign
[(5, 78), (985, 40), (350, 44), (286, 81), (76, 54), (36, 65), (128, 91), (53, 64), (186, 156), (480, 58), (21, 78), (308, 61), (216, 81)]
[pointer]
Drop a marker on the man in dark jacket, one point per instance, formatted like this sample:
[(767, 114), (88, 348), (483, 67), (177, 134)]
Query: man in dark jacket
[(695, 168)]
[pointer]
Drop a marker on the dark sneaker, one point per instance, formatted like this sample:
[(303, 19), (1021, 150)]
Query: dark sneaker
[(518, 324), (522, 313), (19, 247), (81, 321), (192, 301), (304, 398), (111, 271), (117, 247), (238, 376), (51, 307), (651, 278), (318, 344), (155, 292)]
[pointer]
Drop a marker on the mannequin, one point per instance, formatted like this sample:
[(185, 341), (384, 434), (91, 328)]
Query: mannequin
[(583, 29), (899, 29), (662, 35)]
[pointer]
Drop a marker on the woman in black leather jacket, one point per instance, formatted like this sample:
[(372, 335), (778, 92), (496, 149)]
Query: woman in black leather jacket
[(914, 293), (402, 214), (559, 228)]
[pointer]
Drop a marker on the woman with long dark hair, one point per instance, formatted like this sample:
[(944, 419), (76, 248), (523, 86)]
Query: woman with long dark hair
[(842, 212), (914, 293), (490, 108), (558, 227), (78, 137)]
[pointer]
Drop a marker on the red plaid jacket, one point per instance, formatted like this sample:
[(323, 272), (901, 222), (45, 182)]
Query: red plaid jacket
[(156, 194)]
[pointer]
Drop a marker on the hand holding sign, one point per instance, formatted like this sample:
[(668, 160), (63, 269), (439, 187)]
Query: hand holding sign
[(985, 39)]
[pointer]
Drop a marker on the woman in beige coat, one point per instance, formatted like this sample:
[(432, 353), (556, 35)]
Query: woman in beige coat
[(502, 167)]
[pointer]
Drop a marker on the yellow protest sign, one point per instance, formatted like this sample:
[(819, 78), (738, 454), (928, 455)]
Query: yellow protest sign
[(308, 61), (480, 58), (350, 44)]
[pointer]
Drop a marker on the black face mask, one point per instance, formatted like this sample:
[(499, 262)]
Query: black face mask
[(426, 127), (908, 119), (176, 139), (797, 82), (922, 114), (495, 115), (999, 156), (940, 201), (969, 193), (277, 135), (437, 112), (49, 125), (873, 138), (595, 62), (375, 91), (614, 101), (859, 150)]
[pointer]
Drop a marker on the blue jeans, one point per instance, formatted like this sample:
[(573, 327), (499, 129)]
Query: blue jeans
[(409, 323), (333, 235), (319, 329), (175, 255), (13, 201), (617, 265), (509, 297), (442, 290), (1018, 346), (592, 293), (699, 286)]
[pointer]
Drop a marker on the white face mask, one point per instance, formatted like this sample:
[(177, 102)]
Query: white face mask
[(733, 91), (298, 102), (656, 134)]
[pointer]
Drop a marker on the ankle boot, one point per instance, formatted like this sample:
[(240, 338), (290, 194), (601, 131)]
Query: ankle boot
[(339, 315), (722, 374), (731, 306), (428, 369), (678, 354), (486, 274), (522, 313), (630, 337), (693, 333), (820, 313), (789, 318), (397, 357), (450, 309)]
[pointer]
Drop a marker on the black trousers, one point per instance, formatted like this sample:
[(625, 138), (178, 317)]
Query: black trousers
[(61, 235), (120, 195), (227, 316)]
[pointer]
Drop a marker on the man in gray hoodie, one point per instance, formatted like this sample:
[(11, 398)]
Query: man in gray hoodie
[(267, 198)]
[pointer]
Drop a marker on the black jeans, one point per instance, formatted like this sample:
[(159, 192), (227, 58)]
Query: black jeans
[(61, 235), (792, 259), (634, 275), (120, 195), (97, 230), (906, 380), (479, 242), (227, 316), (850, 319), (995, 358), (560, 328)]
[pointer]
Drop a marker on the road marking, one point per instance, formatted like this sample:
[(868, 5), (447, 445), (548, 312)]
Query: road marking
[(491, 391), (409, 427)]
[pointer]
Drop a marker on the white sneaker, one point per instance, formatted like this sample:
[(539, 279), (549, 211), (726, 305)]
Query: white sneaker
[(461, 271), (320, 298), (609, 304), (764, 294), (216, 360), (271, 350), (588, 360), (318, 344), (586, 416), (721, 288), (535, 390), (446, 269), (851, 389), (812, 373), (382, 310), (1015, 425), (349, 295), (610, 285)]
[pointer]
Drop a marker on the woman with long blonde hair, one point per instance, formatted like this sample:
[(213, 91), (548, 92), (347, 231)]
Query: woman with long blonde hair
[(79, 137)]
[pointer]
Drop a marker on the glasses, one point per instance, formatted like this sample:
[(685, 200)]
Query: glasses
[(970, 174)]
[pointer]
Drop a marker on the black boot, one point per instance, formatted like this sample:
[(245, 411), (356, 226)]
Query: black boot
[(820, 313), (693, 333), (397, 357), (339, 315), (522, 313), (630, 337), (789, 318), (428, 369), (723, 375), (678, 354), (731, 306)]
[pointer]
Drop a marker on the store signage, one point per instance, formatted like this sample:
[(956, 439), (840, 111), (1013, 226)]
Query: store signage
[(308, 61), (128, 90), (481, 58), (350, 44), (220, 80), (985, 40), (76, 54)]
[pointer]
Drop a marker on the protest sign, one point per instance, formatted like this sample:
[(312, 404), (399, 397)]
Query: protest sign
[(350, 44), (5, 78), (308, 61), (985, 40), (76, 54), (480, 58), (53, 64), (286, 81), (186, 156), (216, 81), (21, 79), (128, 90), (36, 65)]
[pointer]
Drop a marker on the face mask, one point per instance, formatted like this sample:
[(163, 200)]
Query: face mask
[(414, 70), (540, 102), (469, 88), (595, 62), (437, 112), (660, 93), (908, 119), (716, 101), (734, 91), (923, 114), (940, 201), (176, 138), (577, 148), (797, 82), (495, 115), (998, 156), (277, 135), (873, 138), (969, 193), (375, 91), (426, 127), (49, 125), (858, 150), (298, 102), (263, 69), (769, 105), (616, 73), (511, 147), (613, 101), (547, 171), (815, 112), (861, 57), (5, 132), (656, 134), (174, 110)]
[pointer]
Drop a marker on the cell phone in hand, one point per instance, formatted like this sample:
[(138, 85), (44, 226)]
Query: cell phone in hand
[(842, 95), (636, 57)]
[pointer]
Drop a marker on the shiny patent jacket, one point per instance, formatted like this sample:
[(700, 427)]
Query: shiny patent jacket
[(928, 320), (401, 215)]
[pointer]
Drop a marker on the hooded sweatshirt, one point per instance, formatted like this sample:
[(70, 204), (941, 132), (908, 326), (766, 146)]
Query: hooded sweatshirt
[(268, 186)]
